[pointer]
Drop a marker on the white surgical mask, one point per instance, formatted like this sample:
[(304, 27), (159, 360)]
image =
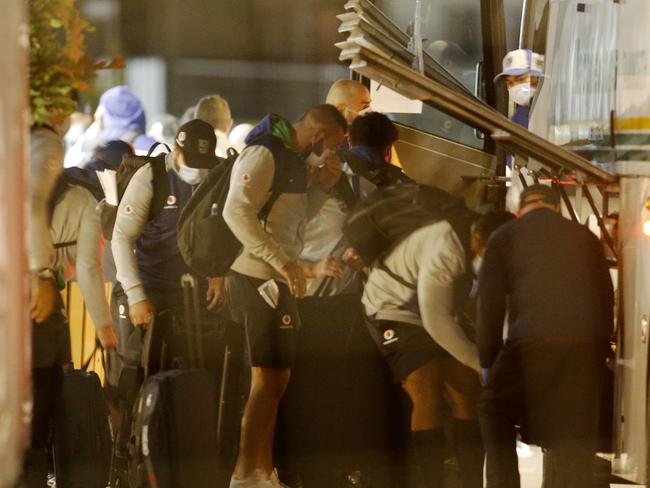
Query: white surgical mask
[(522, 93), (476, 264), (364, 111), (191, 176), (317, 161)]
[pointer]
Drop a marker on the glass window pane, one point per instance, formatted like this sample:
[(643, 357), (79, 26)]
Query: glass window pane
[(452, 36)]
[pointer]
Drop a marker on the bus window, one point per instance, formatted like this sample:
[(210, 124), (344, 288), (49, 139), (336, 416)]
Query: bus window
[(452, 36)]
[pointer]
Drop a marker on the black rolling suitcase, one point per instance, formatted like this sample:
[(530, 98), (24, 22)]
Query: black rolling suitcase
[(353, 418), (82, 440), (175, 434)]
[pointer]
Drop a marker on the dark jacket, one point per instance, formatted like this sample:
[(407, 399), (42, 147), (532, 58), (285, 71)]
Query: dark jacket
[(553, 276), (159, 260)]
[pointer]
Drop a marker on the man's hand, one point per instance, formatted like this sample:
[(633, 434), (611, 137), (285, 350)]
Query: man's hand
[(107, 337), (330, 173), (295, 277), (43, 300), (142, 313), (216, 295), (353, 260), (330, 266)]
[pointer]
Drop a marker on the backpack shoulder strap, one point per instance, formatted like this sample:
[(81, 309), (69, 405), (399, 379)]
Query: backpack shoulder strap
[(345, 192), (231, 153), (269, 142), (381, 264), (155, 145), (160, 185)]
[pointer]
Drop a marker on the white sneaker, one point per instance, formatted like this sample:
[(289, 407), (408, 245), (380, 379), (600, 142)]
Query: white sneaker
[(275, 480), (255, 481)]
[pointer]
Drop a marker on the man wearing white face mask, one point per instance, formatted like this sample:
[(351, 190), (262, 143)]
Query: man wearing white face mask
[(522, 70), (150, 277)]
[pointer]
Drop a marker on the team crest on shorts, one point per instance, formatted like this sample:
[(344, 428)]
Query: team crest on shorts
[(286, 322), (389, 337), (128, 210)]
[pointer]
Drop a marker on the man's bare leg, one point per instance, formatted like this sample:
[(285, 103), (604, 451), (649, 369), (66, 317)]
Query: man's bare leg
[(258, 423), (424, 387), (463, 391)]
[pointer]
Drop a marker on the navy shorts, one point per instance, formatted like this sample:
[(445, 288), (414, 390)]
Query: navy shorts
[(405, 347), (271, 334)]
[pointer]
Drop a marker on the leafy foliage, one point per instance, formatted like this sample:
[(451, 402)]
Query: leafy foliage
[(58, 65)]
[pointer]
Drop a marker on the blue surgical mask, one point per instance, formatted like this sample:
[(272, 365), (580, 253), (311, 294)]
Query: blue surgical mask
[(191, 176)]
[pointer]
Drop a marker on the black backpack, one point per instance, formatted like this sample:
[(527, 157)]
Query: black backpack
[(69, 178), (74, 177), (382, 175), (129, 167), (205, 241), (390, 214)]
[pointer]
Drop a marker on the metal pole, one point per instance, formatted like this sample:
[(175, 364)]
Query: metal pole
[(493, 28), (522, 27), (567, 201), (418, 62), (601, 222)]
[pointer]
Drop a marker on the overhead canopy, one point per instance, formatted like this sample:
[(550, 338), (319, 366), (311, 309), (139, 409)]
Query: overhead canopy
[(377, 49)]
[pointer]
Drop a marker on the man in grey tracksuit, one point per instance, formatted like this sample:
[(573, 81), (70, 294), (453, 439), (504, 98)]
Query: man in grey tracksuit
[(274, 163)]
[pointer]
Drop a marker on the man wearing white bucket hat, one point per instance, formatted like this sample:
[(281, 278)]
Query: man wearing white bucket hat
[(522, 70)]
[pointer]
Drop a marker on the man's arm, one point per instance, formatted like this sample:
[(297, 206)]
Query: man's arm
[(46, 165), (89, 268), (132, 214), (440, 266), (491, 307), (250, 185), (321, 182)]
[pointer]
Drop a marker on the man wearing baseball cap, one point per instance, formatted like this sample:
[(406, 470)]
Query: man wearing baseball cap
[(522, 70), (552, 277), (150, 277)]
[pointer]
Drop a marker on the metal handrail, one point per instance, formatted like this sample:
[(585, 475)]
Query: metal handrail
[(469, 110), (362, 13)]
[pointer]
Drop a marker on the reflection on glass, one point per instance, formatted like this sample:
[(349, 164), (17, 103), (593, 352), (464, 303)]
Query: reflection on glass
[(452, 37)]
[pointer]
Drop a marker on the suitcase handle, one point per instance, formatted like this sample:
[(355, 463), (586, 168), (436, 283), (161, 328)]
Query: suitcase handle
[(191, 308), (146, 346)]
